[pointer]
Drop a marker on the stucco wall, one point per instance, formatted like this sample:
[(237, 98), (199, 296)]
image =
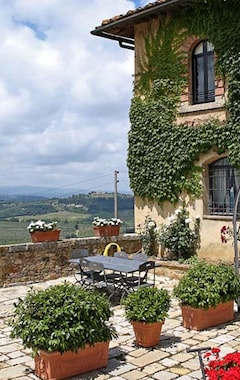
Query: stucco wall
[(33, 262), (212, 249)]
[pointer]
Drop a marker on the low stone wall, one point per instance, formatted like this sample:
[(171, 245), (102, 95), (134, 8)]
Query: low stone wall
[(33, 262), (171, 269)]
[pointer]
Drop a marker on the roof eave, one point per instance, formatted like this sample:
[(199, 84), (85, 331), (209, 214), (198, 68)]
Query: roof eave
[(124, 42), (107, 31)]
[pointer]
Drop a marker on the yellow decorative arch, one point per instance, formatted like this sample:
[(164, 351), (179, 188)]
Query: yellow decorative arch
[(109, 246)]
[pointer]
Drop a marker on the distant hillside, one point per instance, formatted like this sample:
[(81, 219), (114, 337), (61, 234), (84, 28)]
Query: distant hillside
[(15, 192), (96, 203), (73, 214), (92, 203)]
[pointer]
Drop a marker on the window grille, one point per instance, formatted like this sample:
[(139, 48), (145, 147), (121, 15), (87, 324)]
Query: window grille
[(223, 184)]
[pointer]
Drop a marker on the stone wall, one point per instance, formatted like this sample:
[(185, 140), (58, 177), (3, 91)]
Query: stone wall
[(171, 269), (33, 262)]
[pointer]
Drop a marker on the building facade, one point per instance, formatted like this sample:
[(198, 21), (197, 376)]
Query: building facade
[(171, 43)]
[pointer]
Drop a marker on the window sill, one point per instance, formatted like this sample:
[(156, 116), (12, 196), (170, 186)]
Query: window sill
[(187, 108), (218, 217)]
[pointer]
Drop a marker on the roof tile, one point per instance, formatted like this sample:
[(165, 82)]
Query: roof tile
[(131, 12)]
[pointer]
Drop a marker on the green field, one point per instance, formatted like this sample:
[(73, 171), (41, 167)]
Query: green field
[(14, 232), (73, 222)]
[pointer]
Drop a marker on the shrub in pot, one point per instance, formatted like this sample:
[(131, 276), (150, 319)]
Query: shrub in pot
[(60, 323), (146, 309), (206, 294)]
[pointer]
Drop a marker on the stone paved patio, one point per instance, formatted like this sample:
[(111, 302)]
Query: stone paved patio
[(169, 360)]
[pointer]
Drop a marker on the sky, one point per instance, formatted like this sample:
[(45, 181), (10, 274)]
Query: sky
[(64, 95)]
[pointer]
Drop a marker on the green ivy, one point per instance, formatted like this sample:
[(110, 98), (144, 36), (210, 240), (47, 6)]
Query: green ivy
[(162, 154), (166, 43)]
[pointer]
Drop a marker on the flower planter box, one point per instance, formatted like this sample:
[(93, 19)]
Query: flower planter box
[(104, 231), (100, 231), (39, 236), (56, 366), (200, 319), (113, 230), (147, 334)]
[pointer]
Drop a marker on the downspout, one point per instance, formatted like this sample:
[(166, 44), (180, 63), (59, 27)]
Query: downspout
[(235, 238), (122, 45)]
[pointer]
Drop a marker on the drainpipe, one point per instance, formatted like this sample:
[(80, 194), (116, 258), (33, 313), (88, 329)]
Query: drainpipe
[(235, 238)]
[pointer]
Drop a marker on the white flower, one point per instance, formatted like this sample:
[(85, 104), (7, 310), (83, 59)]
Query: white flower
[(178, 211), (172, 218), (188, 220), (41, 226), (151, 224), (100, 222)]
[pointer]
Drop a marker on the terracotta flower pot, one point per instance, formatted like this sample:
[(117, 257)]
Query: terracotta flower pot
[(200, 319), (147, 334), (39, 236), (113, 230), (57, 366), (100, 231), (103, 231)]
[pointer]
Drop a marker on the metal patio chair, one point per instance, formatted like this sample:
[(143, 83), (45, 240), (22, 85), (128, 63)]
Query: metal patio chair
[(79, 253), (97, 277), (142, 279), (140, 256)]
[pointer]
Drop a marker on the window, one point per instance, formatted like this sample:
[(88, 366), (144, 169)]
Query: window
[(203, 73), (224, 181)]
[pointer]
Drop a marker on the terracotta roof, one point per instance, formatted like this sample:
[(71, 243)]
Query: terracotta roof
[(132, 12), (121, 27)]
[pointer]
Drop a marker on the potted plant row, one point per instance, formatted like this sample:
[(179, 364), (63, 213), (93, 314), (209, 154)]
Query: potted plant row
[(206, 294), (67, 327), (106, 227), (146, 310), (43, 231)]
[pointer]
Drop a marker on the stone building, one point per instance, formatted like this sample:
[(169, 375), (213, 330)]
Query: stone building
[(193, 44)]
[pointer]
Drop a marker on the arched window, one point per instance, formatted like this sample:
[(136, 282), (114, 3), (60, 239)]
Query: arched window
[(224, 181), (203, 73)]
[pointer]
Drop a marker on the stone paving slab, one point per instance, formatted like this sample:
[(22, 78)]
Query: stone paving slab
[(168, 360), (12, 372)]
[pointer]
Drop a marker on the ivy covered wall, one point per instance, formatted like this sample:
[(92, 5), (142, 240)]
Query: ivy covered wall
[(162, 154)]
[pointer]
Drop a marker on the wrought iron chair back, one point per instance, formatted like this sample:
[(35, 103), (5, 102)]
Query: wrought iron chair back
[(140, 256), (121, 254), (142, 279)]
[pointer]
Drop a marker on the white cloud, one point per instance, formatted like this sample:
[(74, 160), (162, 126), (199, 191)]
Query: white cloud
[(64, 94)]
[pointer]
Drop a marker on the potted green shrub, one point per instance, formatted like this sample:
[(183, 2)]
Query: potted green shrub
[(64, 323), (146, 309), (206, 294)]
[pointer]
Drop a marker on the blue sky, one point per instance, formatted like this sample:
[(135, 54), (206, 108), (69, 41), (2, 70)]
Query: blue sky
[(64, 95)]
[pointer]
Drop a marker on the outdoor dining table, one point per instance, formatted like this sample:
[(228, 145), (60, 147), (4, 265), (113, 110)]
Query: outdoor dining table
[(116, 264), (122, 269)]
